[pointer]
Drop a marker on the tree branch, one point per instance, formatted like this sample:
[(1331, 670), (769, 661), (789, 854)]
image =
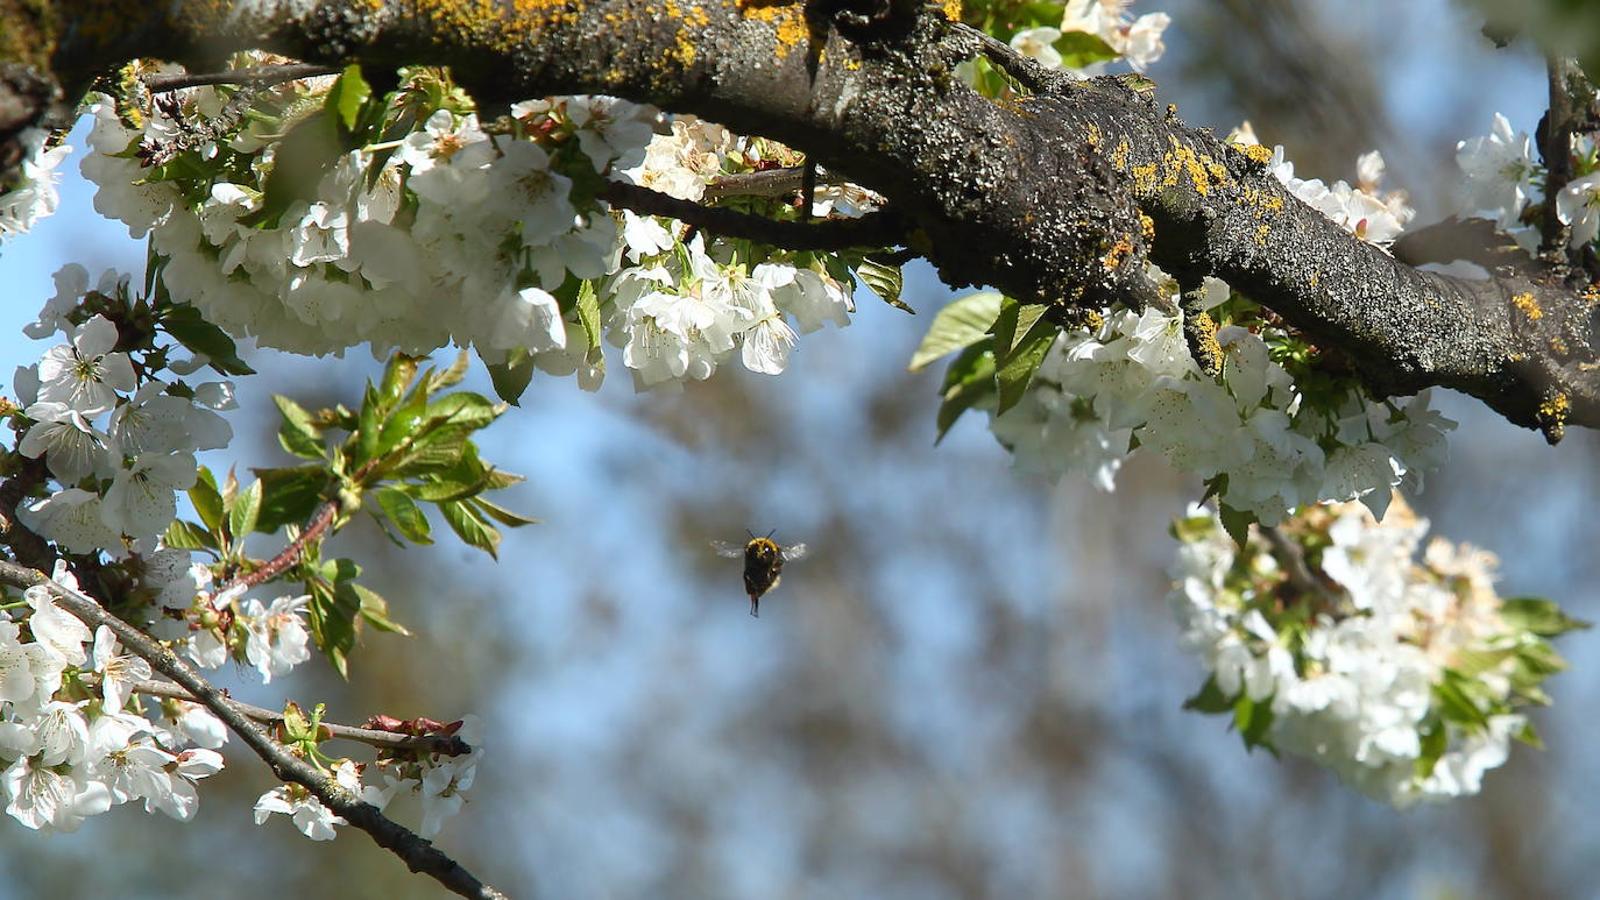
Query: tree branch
[(879, 229), (260, 76), (447, 745), (419, 854), (288, 556), (1044, 197)]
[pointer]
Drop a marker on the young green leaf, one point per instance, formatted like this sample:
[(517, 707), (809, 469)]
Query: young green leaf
[(511, 378), (298, 435), (347, 95), (405, 515), (290, 496), (968, 381), (185, 324), (375, 610), (589, 313), (1539, 616), (207, 501), (885, 280), (470, 526), (960, 324), (1209, 699), (1014, 370), (245, 511)]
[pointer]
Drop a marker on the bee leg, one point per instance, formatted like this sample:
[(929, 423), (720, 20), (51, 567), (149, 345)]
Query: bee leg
[(755, 605)]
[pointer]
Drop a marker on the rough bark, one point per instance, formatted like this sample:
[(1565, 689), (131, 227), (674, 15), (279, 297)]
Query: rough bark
[(1049, 198)]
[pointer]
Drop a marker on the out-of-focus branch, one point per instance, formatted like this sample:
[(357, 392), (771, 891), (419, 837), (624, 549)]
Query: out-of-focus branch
[(257, 75), (419, 854), (447, 745)]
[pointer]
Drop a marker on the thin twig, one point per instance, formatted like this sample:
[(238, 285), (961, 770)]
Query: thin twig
[(879, 229), (286, 557), (1293, 559), (1025, 70), (417, 853), (765, 183), (445, 744), (257, 75)]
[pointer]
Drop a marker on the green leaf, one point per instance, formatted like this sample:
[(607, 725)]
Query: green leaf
[(1253, 719), (347, 95), (375, 610), (1210, 699), (463, 409), (1530, 736), (885, 280), (1014, 370), (246, 511), (303, 156), (397, 375), (298, 435), (1435, 740), (1456, 705), (289, 496), (332, 614), (186, 326), (968, 381), (1236, 523), (511, 378), (1080, 48), (405, 515), (207, 501), (450, 375), (1012, 324), (469, 525), (588, 314), (500, 514), (1539, 616), (406, 422), (960, 324), (183, 535)]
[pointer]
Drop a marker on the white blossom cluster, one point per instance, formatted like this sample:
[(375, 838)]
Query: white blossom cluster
[(71, 740), (1364, 210), (1249, 432), (473, 234), (1400, 675), (436, 784), (1137, 40), (33, 195), (120, 443), (1503, 180)]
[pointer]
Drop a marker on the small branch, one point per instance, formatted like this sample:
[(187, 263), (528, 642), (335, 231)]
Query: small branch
[(1025, 70), (1555, 145), (419, 854), (447, 745), (1293, 559), (288, 556), (260, 76), (766, 183), (879, 229), (30, 549)]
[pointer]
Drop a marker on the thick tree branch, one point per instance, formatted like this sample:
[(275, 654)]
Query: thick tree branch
[(1047, 197), (419, 854)]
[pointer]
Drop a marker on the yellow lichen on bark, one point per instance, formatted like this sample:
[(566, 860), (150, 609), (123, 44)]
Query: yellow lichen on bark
[(787, 20)]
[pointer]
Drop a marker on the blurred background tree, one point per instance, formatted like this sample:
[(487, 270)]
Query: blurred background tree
[(971, 687)]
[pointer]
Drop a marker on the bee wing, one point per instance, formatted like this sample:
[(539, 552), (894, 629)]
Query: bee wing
[(790, 554), (728, 549)]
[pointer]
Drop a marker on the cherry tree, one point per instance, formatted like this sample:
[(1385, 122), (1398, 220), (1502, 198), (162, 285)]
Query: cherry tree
[(673, 187)]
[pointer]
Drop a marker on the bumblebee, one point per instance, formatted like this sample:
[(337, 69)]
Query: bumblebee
[(763, 563)]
